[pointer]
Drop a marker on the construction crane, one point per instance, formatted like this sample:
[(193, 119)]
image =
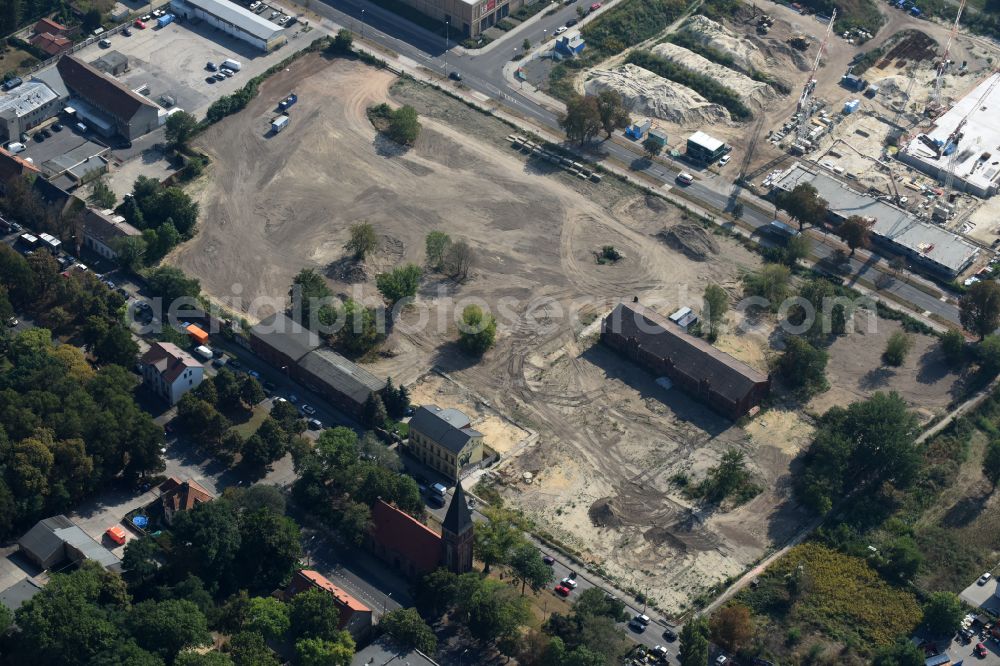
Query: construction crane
[(956, 136), (803, 105), (906, 96), (936, 95)]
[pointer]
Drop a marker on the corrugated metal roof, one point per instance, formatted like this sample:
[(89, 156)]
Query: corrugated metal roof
[(238, 16), (285, 336), (341, 374)]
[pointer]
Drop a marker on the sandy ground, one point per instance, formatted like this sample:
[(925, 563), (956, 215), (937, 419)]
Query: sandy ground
[(607, 434), (855, 371)]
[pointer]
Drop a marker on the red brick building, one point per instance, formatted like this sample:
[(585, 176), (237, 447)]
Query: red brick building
[(355, 617)]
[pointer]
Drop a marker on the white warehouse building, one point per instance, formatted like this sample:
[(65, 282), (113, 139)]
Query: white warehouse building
[(234, 20)]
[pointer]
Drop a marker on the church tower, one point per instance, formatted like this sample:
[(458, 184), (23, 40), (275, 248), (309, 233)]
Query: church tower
[(456, 534)]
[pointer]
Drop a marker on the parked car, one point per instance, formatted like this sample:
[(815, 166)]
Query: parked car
[(12, 322), (636, 626), (562, 590), (721, 659), (126, 32), (209, 79), (684, 178), (660, 652), (594, 7), (139, 23), (455, 76), (211, 66), (57, 127), (308, 409), (569, 582), (980, 650), (15, 147), (315, 424), (561, 29), (105, 43), (46, 133), (570, 23), (669, 635), (725, 160), (549, 560), (984, 578)]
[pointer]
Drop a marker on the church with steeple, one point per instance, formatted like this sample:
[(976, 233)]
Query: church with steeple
[(413, 548)]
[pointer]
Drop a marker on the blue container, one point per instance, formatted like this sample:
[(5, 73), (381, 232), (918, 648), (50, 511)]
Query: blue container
[(164, 20), (289, 101), (852, 106)]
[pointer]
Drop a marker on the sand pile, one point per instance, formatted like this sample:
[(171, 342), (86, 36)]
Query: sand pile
[(750, 91), (690, 239), (745, 53), (647, 94), (604, 513)]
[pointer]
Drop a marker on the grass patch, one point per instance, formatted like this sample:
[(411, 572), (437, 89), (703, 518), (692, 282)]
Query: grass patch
[(704, 85), (816, 588), (257, 416), (528, 11), (15, 61)]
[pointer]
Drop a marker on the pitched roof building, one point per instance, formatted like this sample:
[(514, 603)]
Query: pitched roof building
[(282, 341), (170, 371), (445, 440), (102, 229), (355, 617), (115, 106), (57, 539), (341, 381), (181, 496), (51, 44), (48, 25), (12, 166), (729, 386), (415, 549)]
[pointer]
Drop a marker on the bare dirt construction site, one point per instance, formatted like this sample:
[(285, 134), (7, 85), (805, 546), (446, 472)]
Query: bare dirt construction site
[(609, 439)]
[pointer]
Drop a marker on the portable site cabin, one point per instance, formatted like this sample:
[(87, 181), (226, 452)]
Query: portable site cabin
[(197, 335)]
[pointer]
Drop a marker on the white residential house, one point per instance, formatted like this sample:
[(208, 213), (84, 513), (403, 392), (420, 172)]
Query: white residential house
[(169, 371), (101, 230)]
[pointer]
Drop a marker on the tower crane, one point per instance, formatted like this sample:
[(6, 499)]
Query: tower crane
[(803, 105), (936, 95)]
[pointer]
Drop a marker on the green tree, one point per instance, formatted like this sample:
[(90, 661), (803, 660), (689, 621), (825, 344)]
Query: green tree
[(582, 120), (270, 548), (730, 477), (314, 614), (167, 627), (409, 630), (803, 204), (855, 232), (436, 244), (399, 283), (803, 366), (101, 195), (92, 19), (309, 292), (991, 462), (343, 41), (251, 392), (612, 112), (953, 345), (207, 541), (360, 331), (363, 240), (458, 260), (988, 354), (902, 560), (321, 652), (436, 592), (716, 303), (126, 653), (180, 127), (651, 147), (493, 611), (140, 560), (770, 282), (249, 649), (268, 617), (375, 414), (979, 308), (902, 653), (404, 126), (206, 659), (117, 346), (6, 620), (797, 247), (527, 567), (897, 348), (478, 331), (170, 284), (943, 613), (130, 252), (526, 45), (496, 539), (732, 627), (694, 645)]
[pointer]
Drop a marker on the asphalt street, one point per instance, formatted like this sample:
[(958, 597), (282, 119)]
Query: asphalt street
[(482, 71)]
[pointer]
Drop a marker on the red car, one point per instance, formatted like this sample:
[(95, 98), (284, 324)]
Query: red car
[(139, 24), (562, 590), (980, 650), (594, 7)]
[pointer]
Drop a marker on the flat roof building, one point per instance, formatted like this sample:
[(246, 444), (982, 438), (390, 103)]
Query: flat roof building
[(233, 20), (704, 148), (125, 112), (467, 18), (975, 159), (25, 107), (935, 248)]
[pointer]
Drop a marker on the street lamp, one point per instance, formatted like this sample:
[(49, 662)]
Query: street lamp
[(362, 24), (385, 602), (447, 34)]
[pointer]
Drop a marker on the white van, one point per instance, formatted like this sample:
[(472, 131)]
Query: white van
[(231, 64), (684, 178), (204, 352), (15, 147)]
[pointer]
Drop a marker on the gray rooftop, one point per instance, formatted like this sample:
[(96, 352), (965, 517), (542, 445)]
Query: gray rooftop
[(342, 375), (81, 541), (448, 427), (241, 17), (25, 98), (939, 246), (285, 336), (42, 540), (73, 158), (18, 593), (383, 653), (111, 61), (53, 79)]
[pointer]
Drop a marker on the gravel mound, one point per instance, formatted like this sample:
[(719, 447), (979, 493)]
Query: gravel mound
[(603, 513), (647, 94), (750, 91), (691, 239), (714, 35)]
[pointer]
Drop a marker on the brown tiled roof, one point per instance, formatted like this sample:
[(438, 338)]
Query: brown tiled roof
[(169, 360), (400, 532), (48, 25), (306, 579), (12, 165), (51, 44), (692, 356), (185, 497), (101, 90)]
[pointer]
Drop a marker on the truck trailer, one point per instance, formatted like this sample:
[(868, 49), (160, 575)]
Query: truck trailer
[(288, 102), (279, 123)]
